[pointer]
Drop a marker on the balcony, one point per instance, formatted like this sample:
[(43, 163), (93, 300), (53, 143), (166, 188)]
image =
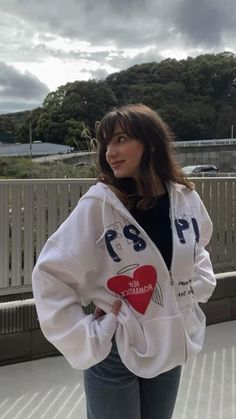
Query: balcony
[(47, 387), (50, 389)]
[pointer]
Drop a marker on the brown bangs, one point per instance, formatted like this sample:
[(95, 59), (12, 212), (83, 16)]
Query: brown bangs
[(107, 126), (158, 162)]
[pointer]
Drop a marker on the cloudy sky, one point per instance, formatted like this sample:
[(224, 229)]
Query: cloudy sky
[(44, 44)]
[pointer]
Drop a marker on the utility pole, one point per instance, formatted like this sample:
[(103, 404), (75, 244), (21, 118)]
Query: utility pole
[(232, 131), (30, 136)]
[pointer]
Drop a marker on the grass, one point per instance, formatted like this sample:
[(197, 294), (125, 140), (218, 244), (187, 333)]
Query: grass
[(25, 168)]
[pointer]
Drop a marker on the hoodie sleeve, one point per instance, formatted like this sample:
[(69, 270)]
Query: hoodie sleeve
[(204, 280), (57, 278)]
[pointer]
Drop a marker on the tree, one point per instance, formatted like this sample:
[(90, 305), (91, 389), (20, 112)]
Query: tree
[(196, 96), (88, 101), (77, 135), (22, 133), (50, 125)]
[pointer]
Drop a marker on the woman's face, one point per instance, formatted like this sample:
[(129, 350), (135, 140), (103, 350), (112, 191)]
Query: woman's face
[(124, 154)]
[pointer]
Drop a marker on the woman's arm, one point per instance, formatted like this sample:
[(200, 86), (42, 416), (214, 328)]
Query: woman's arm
[(61, 274), (204, 280)]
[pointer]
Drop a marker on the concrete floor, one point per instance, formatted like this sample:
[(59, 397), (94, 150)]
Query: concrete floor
[(51, 389)]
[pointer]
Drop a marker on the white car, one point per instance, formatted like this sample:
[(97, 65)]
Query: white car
[(201, 169)]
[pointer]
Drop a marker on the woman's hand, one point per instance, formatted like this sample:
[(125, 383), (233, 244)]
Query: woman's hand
[(115, 310)]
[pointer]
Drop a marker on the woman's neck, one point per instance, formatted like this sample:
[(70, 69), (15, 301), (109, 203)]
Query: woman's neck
[(160, 188)]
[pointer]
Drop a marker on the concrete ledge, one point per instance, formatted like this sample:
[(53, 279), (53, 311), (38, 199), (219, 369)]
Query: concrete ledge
[(24, 346), (221, 305), (40, 347), (217, 311), (14, 346)]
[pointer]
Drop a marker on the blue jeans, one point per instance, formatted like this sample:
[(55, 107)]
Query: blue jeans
[(114, 392)]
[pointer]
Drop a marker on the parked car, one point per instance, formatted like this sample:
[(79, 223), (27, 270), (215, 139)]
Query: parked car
[(201, 169)]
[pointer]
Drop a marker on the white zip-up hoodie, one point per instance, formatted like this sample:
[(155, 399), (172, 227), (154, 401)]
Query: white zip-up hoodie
[(101, 254)]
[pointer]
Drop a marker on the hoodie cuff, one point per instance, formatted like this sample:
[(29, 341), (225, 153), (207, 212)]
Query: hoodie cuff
[(108, 325), (202, 296)]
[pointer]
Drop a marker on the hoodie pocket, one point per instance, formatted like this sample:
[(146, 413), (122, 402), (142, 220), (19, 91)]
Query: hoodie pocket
[(154, 347), (165, 341), (195, 325)]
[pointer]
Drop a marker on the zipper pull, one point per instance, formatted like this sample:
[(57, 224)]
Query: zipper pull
[(194, 251), (171, 279)]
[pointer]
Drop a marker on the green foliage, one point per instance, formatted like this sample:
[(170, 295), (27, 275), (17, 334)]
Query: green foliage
[(25, 168), (23, 131), (196, 96), (72, 109), (9, 125)]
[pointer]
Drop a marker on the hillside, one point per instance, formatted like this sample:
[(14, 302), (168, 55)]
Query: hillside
[(195, 96), (10, 123)]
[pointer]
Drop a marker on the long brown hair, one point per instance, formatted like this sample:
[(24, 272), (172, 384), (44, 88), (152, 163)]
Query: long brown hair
[(158, 162)]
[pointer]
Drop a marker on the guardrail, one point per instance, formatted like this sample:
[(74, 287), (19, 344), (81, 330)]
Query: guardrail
[(31, 210), (204, 143)]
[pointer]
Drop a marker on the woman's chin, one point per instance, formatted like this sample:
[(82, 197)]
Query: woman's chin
[(118, 174)]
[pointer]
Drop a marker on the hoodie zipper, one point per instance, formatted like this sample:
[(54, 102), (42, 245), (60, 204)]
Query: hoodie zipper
[(172, 230), (171, 279), (194, 251), (171, 267), (131, 218)]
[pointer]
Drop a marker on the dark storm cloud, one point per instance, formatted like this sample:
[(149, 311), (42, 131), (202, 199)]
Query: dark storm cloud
[(205, 22), (127, 23), (23, 90), (14, 106), (130, 23), (127, 32), (15, 84)]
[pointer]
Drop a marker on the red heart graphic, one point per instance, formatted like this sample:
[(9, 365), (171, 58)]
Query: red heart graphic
[(137, 290)]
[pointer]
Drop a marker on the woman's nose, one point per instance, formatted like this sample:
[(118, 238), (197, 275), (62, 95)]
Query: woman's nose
[(111, 151)]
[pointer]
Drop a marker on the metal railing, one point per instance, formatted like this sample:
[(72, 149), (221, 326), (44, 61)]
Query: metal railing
[(204, 143), (31, 210)]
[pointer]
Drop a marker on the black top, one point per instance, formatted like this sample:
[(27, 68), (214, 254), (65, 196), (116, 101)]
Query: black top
[(156, 222)]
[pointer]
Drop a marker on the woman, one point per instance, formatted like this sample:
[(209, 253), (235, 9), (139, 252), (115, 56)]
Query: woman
[(134, 245)]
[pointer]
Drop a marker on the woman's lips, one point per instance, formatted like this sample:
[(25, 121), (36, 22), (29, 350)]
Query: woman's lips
[(117, 164)]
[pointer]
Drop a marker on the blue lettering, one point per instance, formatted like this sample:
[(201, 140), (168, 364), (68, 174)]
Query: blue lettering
[(109, 237), (181, 224), (131, 232), (196, 229)]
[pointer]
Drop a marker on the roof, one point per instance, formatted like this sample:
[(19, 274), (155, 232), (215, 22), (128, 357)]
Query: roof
[(38, 149)]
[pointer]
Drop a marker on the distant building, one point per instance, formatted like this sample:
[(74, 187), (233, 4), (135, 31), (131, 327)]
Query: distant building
[(37, 148)]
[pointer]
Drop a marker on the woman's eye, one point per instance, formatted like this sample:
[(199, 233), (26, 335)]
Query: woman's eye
[(121, 139)]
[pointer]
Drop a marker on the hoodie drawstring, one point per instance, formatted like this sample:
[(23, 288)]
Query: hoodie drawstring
[(103, 219)]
